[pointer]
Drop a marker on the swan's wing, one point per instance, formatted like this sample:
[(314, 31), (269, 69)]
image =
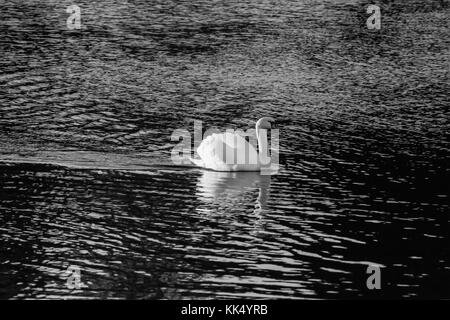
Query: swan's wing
[(242, 151), (209, 151), (227, 151)]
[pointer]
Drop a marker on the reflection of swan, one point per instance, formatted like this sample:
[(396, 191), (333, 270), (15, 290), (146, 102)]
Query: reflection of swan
[(225, 187), (217, 151)]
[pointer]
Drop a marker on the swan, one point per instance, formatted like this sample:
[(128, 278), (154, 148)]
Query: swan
[(217, 151)]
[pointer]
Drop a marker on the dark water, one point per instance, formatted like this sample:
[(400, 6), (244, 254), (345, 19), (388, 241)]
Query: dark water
[(85, 172)]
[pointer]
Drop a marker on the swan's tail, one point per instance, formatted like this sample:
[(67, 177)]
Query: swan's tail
[(197, 162)]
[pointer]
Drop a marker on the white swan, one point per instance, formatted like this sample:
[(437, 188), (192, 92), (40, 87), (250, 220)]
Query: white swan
[(230, 151)]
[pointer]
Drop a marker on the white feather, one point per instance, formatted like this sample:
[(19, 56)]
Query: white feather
[(216, 148)]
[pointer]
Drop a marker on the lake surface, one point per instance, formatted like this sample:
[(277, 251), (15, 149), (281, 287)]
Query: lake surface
[(87, 181)]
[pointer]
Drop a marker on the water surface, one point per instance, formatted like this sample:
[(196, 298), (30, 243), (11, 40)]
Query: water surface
[(85, 172)]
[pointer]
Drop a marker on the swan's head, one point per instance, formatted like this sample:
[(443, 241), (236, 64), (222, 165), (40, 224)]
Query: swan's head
[(264, 123)]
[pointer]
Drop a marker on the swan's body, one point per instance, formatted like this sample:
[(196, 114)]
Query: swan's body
[(226, 151)]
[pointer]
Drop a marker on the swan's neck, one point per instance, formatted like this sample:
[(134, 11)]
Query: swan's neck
[(261, 136)]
